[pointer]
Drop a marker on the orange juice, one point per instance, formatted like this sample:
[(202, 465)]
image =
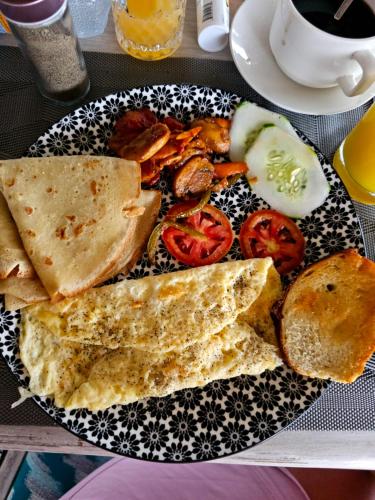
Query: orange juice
[(355, 159), (149, 29)]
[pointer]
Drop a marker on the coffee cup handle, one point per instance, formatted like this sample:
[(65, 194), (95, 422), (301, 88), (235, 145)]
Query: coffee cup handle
[(366, 59)]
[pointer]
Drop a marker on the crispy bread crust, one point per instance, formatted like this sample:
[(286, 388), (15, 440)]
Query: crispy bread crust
[(362, 271)]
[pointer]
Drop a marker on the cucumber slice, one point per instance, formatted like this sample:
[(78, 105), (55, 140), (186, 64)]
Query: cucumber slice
[(287, 173), (247, 122)]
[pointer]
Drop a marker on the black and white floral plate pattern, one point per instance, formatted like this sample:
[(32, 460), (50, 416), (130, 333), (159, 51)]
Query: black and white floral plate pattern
[(226, 416)]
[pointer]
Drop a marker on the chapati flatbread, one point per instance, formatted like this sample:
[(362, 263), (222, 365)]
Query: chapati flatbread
[(12, 303), (72, 214), (151, 201), (22, 292), (13, 258)]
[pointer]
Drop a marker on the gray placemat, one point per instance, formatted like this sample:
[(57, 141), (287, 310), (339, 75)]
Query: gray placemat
[(25, 115)]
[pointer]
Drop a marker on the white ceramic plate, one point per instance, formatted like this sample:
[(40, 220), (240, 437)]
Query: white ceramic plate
[(253, 57)]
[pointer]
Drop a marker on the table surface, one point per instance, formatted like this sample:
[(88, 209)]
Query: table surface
[(352, 450)]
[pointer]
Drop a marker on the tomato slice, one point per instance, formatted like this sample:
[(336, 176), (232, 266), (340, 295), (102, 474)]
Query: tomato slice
[(193, 252), (267, 233)]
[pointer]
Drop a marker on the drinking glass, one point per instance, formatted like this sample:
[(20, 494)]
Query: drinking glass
[(355, 159), (149, 29), (89, 16)]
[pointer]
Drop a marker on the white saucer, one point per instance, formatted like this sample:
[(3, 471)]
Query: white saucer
[(254, 60)]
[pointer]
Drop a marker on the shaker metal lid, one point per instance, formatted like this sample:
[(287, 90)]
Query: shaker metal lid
[(29, 11)]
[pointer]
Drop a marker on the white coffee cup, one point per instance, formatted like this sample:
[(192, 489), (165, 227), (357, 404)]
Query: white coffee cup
[(315, 58)]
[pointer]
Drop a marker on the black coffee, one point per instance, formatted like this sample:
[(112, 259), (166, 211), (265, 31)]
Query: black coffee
[(357, 22)]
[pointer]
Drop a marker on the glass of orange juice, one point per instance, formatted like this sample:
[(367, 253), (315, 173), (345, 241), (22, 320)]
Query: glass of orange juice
[(355, 159), (149, 29)]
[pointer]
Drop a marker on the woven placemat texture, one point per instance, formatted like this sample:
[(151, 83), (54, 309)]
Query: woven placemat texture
[(25, 115)]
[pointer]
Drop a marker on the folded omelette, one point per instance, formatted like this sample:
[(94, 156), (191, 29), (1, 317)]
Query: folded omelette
[(93, 377), (164, 333), (165, 312)]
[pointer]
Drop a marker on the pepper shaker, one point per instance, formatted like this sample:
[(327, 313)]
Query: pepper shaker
[(45, 34)]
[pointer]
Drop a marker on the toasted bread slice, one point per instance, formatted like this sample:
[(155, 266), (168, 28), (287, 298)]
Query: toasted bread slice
[(328, 318)]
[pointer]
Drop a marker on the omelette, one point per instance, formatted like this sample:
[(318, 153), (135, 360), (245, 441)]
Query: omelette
[(180, 340), (166, 312), (92, 377), (56, 369), (258, 315)]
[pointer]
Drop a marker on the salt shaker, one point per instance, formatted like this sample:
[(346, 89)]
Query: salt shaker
[(45, 33)]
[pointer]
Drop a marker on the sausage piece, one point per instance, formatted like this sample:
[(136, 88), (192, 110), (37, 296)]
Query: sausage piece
[(129, 126), (146, 144), (215, 136), (193, 178), (187, 155)]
